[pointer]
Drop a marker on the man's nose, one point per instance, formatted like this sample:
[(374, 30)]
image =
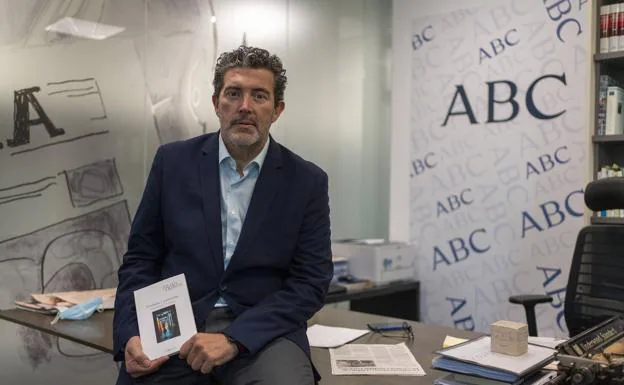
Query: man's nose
[(245, 103)]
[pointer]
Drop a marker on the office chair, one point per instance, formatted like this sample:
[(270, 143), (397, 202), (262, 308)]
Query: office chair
[(595, 290)]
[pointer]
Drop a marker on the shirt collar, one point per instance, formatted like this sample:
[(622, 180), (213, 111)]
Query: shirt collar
[(259, 159)]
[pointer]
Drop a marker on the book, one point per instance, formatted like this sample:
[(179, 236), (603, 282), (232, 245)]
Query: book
[(475, 357), (538, 378), (165, 316), (614, 121), (597, 340)]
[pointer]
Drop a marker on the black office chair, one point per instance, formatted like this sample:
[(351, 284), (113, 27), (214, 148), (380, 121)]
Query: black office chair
[(595, 290)]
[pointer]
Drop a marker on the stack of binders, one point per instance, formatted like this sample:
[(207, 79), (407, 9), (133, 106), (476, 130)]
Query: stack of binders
[(473, 363)]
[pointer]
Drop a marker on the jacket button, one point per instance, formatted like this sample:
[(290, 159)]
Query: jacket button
[(223, 287)]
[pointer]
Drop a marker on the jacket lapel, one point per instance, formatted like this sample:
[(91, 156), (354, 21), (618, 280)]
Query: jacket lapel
[(268, 184), (211, 197)]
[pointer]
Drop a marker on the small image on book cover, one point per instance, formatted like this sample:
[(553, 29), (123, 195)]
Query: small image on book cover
[(166, 323), (355, 363)]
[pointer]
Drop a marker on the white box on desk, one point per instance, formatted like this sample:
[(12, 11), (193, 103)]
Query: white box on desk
[(381, 263)]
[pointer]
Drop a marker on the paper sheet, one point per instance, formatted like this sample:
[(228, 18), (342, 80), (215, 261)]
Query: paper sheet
[(388, 360), (321, 336), (548, 342), (76, 297)]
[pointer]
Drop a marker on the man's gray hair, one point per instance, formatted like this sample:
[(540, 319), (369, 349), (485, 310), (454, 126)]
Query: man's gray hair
[(250, 57)]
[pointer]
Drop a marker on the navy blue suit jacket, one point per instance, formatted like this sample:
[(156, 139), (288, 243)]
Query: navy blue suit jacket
[(279, 273)]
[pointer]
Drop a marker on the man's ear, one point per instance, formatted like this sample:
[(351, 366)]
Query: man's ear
[(215, 104), (277, 111)]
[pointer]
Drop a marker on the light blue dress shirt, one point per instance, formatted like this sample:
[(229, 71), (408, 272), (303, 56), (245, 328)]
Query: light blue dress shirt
[(236, 192)]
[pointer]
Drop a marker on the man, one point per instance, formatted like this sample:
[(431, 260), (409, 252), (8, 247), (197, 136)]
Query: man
[(247, 222)]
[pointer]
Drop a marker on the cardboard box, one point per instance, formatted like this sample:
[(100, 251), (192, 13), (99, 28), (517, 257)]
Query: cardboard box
[(508, 337)]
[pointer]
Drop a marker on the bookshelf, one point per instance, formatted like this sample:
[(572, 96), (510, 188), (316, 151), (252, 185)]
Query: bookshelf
[(607, 150), (606, 221)]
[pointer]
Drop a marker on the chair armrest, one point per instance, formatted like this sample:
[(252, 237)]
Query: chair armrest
[(530, 299)]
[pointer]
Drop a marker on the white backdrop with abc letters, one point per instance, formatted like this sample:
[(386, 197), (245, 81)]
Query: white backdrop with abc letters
[(496, 123)]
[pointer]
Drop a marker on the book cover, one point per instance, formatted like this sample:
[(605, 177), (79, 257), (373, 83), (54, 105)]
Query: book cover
[(614, 121), (165, 316), (597, 340)]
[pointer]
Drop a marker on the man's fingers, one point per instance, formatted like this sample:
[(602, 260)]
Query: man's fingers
[(159, 361), (142, 360), (137, 370), (185, 348), (206, 367), (197, 362)]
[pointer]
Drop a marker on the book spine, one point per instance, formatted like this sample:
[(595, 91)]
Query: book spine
[(594, 338), (604, 28), (620, 29), (614, 13)]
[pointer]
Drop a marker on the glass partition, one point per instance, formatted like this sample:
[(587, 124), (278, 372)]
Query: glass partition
[(89, 89)]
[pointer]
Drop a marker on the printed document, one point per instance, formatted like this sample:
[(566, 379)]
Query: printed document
[(165, 316), (330, 337), (387, 360)]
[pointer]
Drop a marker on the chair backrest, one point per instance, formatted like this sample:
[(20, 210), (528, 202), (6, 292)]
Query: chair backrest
[(595, 289), (605, 194)]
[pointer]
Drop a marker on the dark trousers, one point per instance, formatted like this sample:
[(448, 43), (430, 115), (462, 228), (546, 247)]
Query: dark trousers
[(281, 362)]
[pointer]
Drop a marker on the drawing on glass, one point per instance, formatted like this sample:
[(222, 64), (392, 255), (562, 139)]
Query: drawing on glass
[(26, 190), (93, 183), (80, 253)]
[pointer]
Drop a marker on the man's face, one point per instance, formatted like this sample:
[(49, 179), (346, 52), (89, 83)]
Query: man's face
[(246, 106)]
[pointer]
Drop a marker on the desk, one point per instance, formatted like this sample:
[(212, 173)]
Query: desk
[(397, 299), (96, 332)]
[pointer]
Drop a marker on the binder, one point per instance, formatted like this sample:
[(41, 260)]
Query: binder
[(474, 357), (614, 124)]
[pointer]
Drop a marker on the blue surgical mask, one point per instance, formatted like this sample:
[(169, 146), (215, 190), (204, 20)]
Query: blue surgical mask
[(80, 311)]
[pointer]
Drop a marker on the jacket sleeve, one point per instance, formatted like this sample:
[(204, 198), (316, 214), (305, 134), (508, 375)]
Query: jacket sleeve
[(304, 290), (141, 264)]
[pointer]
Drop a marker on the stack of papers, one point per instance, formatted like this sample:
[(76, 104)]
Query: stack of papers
[(475, 358), (51, 303)]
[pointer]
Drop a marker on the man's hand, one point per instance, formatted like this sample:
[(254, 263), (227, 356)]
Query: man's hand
[(204, 351), (137, 363)]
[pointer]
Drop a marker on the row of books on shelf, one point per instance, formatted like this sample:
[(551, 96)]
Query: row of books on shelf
[(607, 172), (612, 28), (610, 102)]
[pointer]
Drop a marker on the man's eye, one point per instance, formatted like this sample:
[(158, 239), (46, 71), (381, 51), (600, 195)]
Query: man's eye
[(261, 96), (231, 93)]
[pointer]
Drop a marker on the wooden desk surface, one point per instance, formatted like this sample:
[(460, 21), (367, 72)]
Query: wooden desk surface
[(427, 338), (96, 332)]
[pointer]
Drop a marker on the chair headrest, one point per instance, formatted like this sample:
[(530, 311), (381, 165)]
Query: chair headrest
[(605, 194)]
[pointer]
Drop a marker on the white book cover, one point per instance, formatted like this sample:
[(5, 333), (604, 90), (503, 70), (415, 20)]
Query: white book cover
[(614, 120), (165, 316)]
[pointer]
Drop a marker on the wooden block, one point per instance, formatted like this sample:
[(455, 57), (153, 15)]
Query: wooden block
[(508, 337)]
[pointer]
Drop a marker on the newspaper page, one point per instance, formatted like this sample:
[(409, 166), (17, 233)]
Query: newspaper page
[(361, 359)]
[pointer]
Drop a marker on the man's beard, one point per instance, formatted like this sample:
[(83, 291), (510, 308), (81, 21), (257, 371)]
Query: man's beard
[(244, 138)]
